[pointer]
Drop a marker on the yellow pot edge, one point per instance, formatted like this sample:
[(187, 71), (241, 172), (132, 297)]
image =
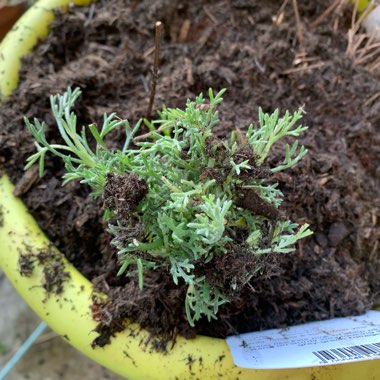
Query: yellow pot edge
[(31, 26), (69, 313)]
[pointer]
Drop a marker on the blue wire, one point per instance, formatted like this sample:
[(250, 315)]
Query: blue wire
[(22, 350)]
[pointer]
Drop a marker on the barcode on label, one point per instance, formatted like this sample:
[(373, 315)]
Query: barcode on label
[(349, 353)]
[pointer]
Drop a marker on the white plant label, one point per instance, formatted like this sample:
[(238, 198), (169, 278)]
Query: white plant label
[(335, 341)]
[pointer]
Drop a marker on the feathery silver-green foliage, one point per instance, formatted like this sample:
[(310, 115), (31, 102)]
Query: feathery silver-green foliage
[(187, 218)]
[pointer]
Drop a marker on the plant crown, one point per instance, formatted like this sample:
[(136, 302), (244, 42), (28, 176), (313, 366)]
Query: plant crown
[(191, 212)]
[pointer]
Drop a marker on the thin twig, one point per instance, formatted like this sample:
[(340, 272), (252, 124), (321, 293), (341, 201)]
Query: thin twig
[(189, 71), (369, 54), (371, 99), (303, 68), (297, 61), (157, 43), (280, 14), (148, 52), (373, 66), (354, 13), (151, 133), (373, 252), (362, 55), (210, 15), (368, 45), (354, 42), (26, 181), (299, 28), (325, 14), (184, 31), (339, 13), (204, 38), (364, 14)]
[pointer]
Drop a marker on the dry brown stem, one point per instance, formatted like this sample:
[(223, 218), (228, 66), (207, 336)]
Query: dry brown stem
[(277, 20), (362, 48), (153, 83), (299, 28), (326, 13), (147, 135)]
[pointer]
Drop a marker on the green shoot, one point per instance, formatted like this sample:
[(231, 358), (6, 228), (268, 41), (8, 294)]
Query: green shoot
[(184, 199)]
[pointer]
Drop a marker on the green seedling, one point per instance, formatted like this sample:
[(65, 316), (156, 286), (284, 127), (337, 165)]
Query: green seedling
[(181, 199)]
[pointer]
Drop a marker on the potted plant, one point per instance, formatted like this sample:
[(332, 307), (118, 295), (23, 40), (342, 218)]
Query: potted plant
[(69, 314)]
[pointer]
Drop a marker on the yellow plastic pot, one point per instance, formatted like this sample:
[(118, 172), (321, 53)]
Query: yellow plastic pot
[(69, 314)]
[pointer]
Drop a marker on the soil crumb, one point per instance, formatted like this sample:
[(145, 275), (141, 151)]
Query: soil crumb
[(54, 271), (122, 194)]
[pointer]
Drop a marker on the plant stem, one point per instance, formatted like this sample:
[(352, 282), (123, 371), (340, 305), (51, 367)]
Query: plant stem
[(299, 30)]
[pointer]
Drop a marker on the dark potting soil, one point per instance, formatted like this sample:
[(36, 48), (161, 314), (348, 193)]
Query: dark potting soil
[(250, 48), (54, 271)]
